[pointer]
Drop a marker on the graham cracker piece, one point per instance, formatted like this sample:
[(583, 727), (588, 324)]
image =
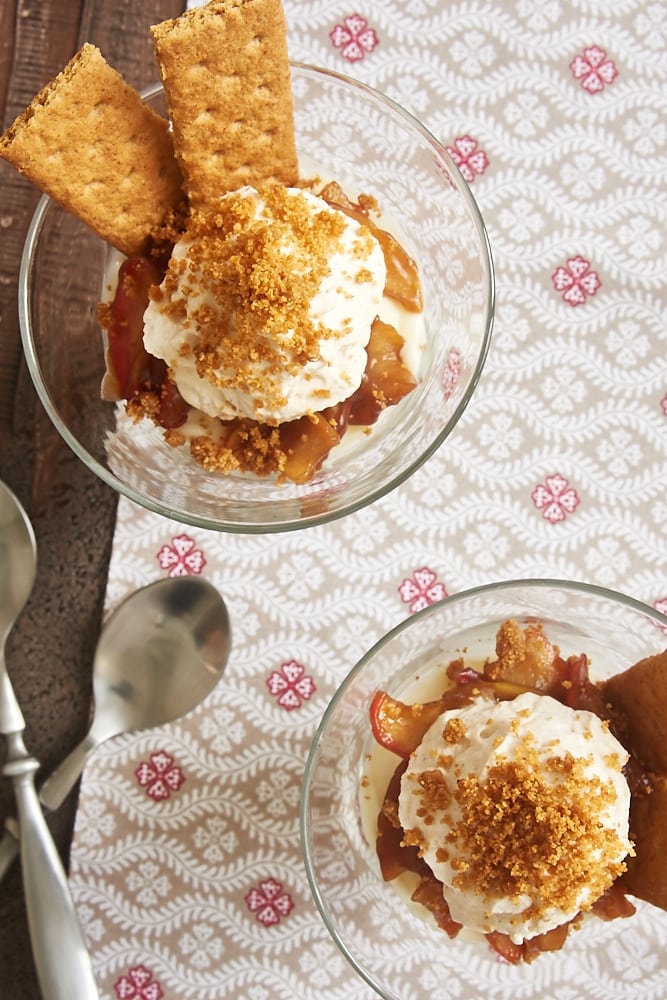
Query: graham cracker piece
[(639, 694), (638, 698), (646, 876), (226, 75), (91, 143)]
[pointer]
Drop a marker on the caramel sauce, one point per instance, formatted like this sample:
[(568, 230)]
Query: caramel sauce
[(402, 282), (130, 368)]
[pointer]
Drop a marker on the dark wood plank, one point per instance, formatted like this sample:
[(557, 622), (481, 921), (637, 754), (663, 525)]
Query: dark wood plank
[(7, 22), (50, 652), (35, 37), (121, 30)]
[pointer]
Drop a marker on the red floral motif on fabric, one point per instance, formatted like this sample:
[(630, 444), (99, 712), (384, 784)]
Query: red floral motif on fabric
[(138, 984), (470, 160), (555, 498), (663, 404), (269, 902), (354, 38), (159, 775), (450, 375), (576, 281), (291, 684), (593, 70), (181, 558), (421, 589)]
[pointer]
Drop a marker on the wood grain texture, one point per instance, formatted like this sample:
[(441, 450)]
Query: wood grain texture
[(34, 38), (51, 650)]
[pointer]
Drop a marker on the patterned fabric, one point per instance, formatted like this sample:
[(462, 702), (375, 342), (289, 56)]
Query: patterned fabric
[(186, 863)]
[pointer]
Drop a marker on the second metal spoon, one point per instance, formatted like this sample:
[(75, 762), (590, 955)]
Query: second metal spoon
[(159, 654)]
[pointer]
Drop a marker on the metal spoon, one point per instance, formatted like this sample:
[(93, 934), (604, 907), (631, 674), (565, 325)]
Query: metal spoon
[(63, 965), (159, 654)]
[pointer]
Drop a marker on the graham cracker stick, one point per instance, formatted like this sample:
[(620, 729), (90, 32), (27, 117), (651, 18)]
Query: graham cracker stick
[(89, 141), (226, 75), (646, 876), (639, 696)]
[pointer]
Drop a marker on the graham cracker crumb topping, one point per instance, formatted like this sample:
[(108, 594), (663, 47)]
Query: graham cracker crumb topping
[(455, 731), (261, 276), (529, 828)]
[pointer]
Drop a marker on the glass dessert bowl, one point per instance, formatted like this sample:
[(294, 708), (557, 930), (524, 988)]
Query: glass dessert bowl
[(393, 942), (369, 145)]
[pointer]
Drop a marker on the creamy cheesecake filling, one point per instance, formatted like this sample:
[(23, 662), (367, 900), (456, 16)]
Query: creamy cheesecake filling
[(520, 808), (267, 306)]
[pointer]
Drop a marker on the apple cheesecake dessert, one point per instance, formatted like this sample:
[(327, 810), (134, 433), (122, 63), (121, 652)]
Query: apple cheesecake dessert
[(525, 796), (254, 314)]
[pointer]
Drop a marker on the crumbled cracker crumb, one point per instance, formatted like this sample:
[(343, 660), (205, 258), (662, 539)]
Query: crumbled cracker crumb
[(523, 833), (455, 731)]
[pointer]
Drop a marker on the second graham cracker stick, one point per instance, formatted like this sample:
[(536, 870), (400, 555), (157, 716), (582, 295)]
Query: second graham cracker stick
[(225, 71), (90, 142)]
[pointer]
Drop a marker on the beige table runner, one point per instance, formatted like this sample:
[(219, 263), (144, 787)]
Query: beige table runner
[(186, 862)]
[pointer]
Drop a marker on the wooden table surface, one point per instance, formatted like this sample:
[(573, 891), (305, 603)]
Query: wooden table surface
[(50, 652)]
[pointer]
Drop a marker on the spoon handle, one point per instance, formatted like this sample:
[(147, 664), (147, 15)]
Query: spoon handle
[(63, 964), (52, 793), (56, 787), (9, 845)]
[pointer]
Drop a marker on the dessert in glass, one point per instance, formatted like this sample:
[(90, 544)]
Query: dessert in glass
[(401, 367), (489, 784)]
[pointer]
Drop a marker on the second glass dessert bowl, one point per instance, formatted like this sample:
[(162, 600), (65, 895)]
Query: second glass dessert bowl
[(345, 132), (392, 942)]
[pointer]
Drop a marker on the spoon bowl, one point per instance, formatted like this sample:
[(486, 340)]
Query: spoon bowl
[(17, 557), (160, 653)]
